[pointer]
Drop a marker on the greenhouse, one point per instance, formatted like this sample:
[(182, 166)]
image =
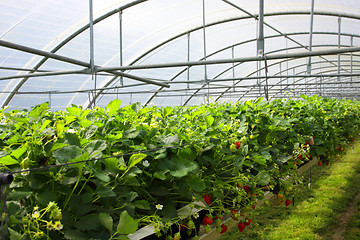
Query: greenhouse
[(155, 119)]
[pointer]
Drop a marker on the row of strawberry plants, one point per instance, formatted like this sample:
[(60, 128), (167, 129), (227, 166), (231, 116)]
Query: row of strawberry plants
[(149, 162)]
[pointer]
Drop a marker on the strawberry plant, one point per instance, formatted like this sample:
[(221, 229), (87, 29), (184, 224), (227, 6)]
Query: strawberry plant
[(113, 170)]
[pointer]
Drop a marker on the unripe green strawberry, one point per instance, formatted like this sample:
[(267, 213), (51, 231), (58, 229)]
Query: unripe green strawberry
[(177, 236), (233, 148), (195, 238), (243, 140), (207, 229), (191, 224), (218, 222)]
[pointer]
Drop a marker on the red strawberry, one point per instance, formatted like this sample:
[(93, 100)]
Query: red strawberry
[(306, 143), (207, 199), (207, 220), (253, 207), (247, 189), (217, 217), (247, 221), (319, 163), (241, 226), (337, 148), (224, 228), (300, 157), (287, 202), (183, 226), (238, 144)]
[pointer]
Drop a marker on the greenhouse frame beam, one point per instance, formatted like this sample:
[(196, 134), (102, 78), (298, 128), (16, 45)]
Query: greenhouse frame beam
[(44, 74), (234, 60), (73, 61)]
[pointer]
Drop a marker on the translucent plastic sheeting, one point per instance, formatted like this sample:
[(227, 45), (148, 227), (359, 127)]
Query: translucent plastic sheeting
[(144, 33)]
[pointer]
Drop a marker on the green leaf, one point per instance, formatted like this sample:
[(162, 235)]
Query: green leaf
[(8, 160), (209, 120), (113, 106), (169, 210), (18, 152), (258, 159), (263, 178), (72, 139), (172, 139), (45, 197), (88, 222), (127, 224), (72, 234), (177, 167), (57, 146), (105, 191), (90, 131), (74, 110), (59, 126), (102, 176), (187, 153), (17, 195), (95, 147), (14, 235), (112, 164), (135, 159), (266, 155), (141, 204), (106, 220), (152, 132), (39, 111), (44, 125), (195, 183), (67, 153), (131, 196), (159, 190)]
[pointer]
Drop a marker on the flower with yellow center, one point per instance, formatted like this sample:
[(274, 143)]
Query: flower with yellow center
[(58, 226), (36, 214)]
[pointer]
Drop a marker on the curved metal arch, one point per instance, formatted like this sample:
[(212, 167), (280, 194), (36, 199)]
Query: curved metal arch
[(18, 86), (298, 80), (278, 50), (329, 70), (352, 16), (68, 39), (288, 34)]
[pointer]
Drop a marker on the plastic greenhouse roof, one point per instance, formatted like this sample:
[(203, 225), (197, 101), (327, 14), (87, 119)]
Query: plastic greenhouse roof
[(179, 52)]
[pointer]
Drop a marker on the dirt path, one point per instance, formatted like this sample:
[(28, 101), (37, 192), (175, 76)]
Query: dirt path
[(345, 217)]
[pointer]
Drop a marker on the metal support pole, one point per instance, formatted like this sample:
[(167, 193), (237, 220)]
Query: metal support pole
[(91, 29), (188, 59), (260, 40), (311, 34), (204, 39), (266, 80), (233, 67), (351, 57), (121, 46), (339, 45), (280, 80)]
